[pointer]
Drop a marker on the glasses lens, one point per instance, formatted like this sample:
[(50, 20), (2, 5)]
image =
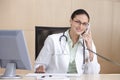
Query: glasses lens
[(85, 24)]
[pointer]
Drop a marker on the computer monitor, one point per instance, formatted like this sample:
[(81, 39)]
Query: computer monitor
[(13, 53)]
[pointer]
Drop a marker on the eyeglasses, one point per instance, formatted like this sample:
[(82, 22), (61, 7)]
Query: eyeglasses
[(80, 23)]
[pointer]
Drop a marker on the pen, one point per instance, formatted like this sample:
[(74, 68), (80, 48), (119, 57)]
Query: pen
[(46, 76)]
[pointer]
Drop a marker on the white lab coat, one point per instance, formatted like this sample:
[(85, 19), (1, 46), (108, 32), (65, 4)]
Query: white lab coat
[(55, 61)]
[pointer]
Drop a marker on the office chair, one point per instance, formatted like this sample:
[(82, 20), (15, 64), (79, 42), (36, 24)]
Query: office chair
[(41, 33)]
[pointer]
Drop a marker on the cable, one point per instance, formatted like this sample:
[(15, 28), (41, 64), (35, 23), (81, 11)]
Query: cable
[(109, 60)]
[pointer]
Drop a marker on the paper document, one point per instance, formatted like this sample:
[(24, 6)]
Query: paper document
[(53, 78), (52, 75)]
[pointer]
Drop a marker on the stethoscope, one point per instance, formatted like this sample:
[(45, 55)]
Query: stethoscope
[(66, 39), (63, 36), (63, 45)]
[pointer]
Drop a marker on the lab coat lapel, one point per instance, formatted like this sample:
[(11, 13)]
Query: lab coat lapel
[(79, 58), (65, 55), (67, 51)]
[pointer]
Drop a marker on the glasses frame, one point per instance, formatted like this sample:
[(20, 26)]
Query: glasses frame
[(80, 23)]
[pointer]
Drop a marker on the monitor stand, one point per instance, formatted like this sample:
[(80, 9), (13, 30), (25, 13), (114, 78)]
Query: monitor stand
[(10, 72)]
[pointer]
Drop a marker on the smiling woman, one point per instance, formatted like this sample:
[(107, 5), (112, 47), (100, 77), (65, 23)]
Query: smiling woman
[(74, 57)]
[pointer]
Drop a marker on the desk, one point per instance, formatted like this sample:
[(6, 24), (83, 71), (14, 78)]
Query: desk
[(100, 77), (82, 77)]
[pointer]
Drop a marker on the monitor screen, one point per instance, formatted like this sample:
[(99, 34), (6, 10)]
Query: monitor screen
[(41, 33), (13, 52)]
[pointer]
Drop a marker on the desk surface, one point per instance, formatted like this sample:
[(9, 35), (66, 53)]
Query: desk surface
[(82, 77)]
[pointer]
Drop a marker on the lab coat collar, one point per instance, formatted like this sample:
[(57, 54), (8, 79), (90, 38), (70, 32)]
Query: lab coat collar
[(69, 39)]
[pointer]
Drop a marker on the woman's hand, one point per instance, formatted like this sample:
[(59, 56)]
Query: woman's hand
[(40, 69)]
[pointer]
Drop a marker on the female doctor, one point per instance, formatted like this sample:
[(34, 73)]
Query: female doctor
[(67, 52)]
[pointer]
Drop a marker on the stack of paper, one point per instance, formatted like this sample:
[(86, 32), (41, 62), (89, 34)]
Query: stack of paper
[(53, 78)]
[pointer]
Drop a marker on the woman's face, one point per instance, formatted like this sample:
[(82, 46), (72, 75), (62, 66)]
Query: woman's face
[(79, 24)]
